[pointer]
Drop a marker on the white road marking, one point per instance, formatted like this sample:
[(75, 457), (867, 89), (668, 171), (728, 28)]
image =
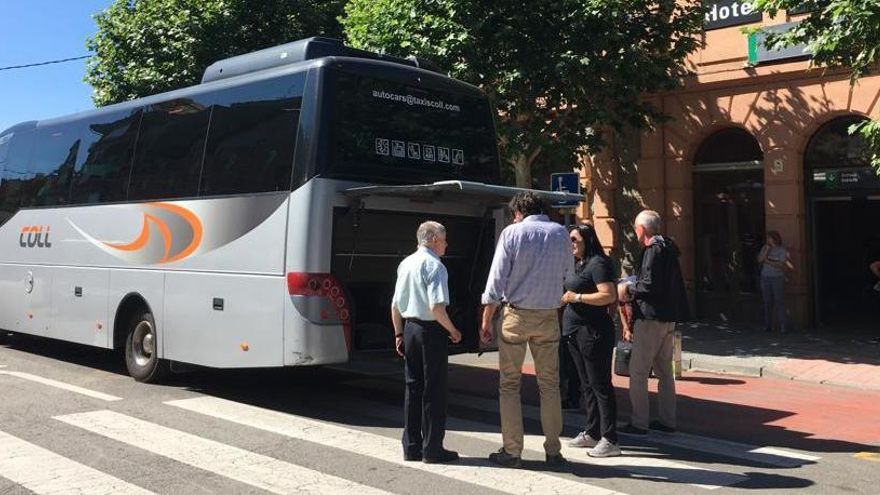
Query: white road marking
[(784, 453), (771, 456), (634, 462), (45, 472), (765, 455), (253, 469), (64, 386), (639, 463), (515, 481)]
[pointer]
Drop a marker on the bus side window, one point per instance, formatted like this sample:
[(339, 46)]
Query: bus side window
[(104, 160), (169, 150), (252, 138), (50, 170), (14, 174)]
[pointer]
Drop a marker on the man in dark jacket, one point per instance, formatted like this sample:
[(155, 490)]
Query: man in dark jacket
[(659, 302)]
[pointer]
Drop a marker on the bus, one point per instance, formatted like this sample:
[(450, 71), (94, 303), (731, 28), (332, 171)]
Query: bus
[(253, 220)]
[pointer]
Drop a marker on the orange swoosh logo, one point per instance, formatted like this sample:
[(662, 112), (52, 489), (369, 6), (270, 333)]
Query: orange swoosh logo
[(173, 223)]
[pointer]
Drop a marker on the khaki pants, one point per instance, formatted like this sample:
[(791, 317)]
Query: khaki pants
[(539, 329), (652, 347)]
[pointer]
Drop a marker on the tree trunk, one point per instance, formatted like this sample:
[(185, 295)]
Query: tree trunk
[(523, 170), (522, 167)]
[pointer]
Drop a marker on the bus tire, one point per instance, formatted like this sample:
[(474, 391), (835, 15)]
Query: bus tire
[(141, 349)]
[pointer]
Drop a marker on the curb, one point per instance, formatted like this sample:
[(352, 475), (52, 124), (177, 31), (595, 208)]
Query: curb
[(709, 365), (771, 373)]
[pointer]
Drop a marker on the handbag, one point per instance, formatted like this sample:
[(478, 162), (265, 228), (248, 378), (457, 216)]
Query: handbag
[(622, 356)]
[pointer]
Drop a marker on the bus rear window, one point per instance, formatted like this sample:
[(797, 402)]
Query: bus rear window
[(387, 131)]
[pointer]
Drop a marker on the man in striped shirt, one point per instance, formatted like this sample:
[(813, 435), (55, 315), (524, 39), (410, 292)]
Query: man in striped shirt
[(532, 259)]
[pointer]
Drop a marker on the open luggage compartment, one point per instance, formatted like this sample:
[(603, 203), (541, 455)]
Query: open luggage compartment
[(369, 244)]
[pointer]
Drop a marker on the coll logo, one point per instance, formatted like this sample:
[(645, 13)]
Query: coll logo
[(163, 233), (168, 233), (34, 236)]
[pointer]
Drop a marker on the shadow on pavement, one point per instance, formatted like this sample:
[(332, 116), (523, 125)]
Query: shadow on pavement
[(839, 345), (708, 380), (83, 355)]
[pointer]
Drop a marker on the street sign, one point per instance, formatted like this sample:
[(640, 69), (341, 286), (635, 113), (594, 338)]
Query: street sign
[(565, 182)]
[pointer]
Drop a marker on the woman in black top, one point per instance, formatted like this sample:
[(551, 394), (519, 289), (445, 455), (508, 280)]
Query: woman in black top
[(589, 332)]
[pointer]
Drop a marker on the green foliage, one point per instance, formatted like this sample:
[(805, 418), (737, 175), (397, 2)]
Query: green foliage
[(839, 33), (145, 47), (555, 71)]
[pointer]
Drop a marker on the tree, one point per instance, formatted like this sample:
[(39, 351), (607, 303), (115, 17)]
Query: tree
[(556, 71), (838, 33), (145, 47)]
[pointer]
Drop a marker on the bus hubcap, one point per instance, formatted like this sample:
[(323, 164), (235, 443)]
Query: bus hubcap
[(143, 343)]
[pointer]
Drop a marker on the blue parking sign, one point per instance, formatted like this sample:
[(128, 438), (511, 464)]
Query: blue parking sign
[(565, 182)]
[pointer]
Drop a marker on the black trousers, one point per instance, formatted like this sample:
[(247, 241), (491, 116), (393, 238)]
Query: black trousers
[(591, 350), (569, 380), (426, 357)]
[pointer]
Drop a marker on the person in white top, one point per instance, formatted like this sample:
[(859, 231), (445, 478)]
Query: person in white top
[(418, 313)]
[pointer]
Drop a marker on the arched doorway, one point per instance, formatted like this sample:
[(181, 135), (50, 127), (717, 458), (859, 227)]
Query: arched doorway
[(728, 226), (843, 207)]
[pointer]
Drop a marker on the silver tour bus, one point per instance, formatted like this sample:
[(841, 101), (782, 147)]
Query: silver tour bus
[(253, 220)]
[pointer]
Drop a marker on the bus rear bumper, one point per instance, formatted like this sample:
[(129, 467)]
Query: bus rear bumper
[(309, 344)]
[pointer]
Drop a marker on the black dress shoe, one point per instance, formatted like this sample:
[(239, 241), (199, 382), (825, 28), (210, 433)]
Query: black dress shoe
[(412, 457), (440, 457), (502, 458), (554, 460)]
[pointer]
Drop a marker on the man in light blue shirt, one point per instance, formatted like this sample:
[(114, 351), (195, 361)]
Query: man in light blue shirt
[(418, 313), (532, 259)]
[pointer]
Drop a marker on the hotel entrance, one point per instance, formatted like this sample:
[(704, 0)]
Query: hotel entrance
[(843, 195)]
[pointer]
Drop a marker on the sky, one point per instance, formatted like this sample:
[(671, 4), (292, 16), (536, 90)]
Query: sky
[(33, 31)]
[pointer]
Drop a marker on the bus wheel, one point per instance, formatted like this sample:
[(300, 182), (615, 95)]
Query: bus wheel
[(141, 350)]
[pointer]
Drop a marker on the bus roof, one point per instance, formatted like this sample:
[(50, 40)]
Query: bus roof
[(376, 63), (292, 53)]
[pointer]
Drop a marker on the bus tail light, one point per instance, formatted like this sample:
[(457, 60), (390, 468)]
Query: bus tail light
[(332, 307)]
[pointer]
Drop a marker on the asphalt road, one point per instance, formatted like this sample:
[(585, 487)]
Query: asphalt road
[(71, 421)]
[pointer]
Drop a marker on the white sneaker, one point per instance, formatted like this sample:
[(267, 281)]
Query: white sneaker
[(604, 449), (582, 440)]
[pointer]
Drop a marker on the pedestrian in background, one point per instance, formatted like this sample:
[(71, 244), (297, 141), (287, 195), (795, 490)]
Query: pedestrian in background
[(590, 337), (418, 313), (659, 301), (532, 259), (775, 260)]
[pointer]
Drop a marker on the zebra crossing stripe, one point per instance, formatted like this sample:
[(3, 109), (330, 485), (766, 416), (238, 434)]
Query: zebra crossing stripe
[(634, 462), (642, 463), (61, 385), (773, 451), (771, 456), (476, 472), (238, 464), (44, 472)]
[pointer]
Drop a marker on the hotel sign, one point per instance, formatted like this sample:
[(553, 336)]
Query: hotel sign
[(758, 53), (724, 13)]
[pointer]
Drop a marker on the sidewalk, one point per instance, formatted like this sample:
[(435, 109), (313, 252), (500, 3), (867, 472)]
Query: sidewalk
[(824, 357), (829, 357)]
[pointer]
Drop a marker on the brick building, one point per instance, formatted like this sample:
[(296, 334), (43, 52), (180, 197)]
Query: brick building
[(757, 142)]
